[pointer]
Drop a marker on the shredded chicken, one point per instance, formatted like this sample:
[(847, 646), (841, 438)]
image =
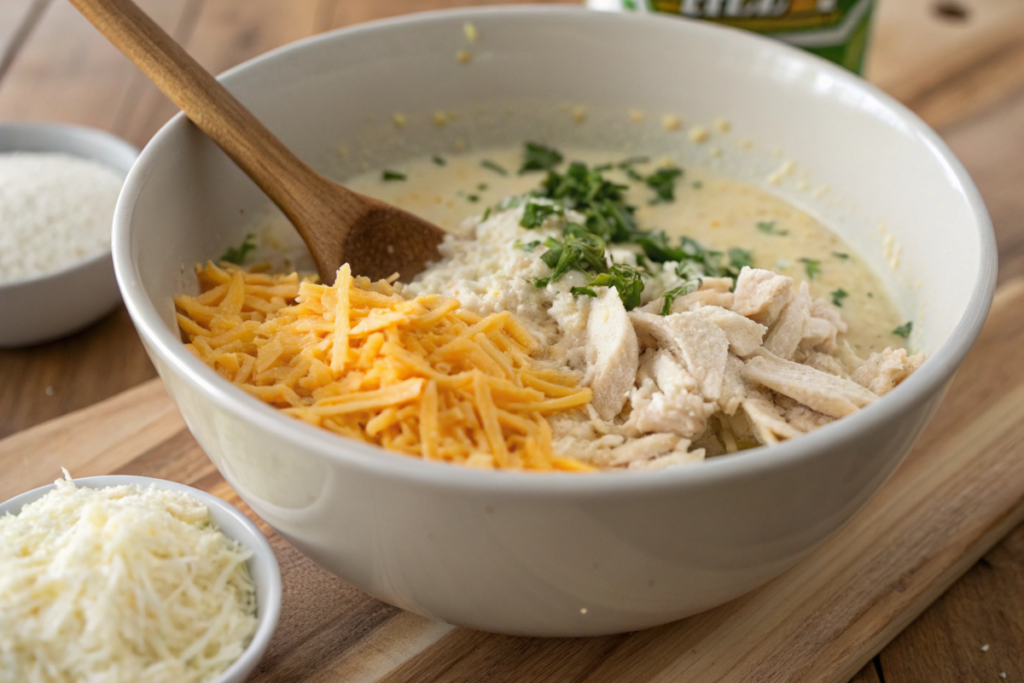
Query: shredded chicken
[(612, 354), (722, 371), (761, 294), (881, 372), (788, 331), (701, 345), (828, 394)]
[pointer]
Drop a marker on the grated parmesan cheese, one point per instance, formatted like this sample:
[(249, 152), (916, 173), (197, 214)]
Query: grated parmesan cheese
[(55, 210), (120, 584)]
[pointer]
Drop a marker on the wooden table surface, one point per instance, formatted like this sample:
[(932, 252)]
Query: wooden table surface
[(957, 63)]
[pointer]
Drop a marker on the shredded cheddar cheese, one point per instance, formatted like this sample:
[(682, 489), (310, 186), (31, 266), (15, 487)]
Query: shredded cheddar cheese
[(419, 376)]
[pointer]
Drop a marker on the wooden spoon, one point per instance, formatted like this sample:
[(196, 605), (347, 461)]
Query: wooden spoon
[(338, 225)]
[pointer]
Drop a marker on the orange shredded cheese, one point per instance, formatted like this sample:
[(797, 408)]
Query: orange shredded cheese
[(419, 376)]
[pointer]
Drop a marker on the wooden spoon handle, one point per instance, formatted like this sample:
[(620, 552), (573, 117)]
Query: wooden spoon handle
[(264, 158)]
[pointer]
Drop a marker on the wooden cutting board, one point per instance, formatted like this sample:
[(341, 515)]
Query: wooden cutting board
[(958, 493)]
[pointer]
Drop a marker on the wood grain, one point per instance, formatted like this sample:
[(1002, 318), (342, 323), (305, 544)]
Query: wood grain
[(219, 35), (17, 20), (44, 382), (947, 69), (958, 493)]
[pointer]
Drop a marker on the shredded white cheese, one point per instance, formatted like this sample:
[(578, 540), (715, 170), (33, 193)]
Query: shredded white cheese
[(120, 584)]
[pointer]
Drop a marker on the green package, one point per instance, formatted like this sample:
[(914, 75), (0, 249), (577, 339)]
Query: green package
[(834, 29)]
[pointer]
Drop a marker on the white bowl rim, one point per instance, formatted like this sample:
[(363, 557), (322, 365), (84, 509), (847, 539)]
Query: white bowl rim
[(262, 553), (925, 382), (104, 138)]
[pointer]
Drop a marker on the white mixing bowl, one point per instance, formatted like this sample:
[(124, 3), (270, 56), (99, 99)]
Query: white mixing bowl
[(564, 554)]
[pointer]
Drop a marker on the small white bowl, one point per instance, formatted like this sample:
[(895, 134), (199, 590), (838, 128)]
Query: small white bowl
[(55, 304), (263, 565)]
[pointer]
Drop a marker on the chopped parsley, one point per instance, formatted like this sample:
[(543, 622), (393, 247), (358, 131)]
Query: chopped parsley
[(482, 186), (626, 166), (812, 266), (539, 158), (530, 246), (535, 213), (663, 182), (473, 198), (694, 261), (841, 255), (601, 201), (608, 219), (768, 228), (497, 168), (738, 258), (392, 175), (578, 250), (696, 184), (839, 295), (622, 277), (237, 254), (669, 297), (439, 160), (904, 330)]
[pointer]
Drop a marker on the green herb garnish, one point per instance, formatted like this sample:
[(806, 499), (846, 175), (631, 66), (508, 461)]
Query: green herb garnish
[(530, 246), (693, 260), (601, 201), (497, 168), (669, 297), (696, 184), (838, 296), (578, 250), (610, 220), (535, 213), (473, 198), (812, 267), (392, 175), (539, 158), (626, 166), (768, 228), (738, 258), (626, 279), (839, 254), (663, 182), (482, 186), (439, 160), (237, 254), (904, 330)]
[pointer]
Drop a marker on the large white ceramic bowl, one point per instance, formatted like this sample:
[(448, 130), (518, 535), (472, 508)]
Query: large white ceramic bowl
[(263, 567), (564, 554), (52, 305)]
